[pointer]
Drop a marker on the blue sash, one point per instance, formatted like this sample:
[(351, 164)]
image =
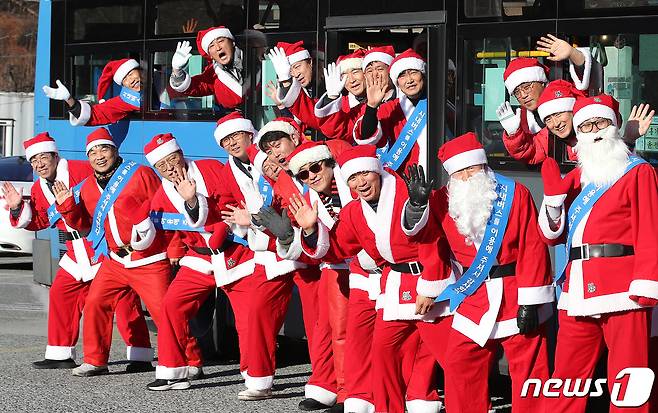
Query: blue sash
[(408, 137), (265, 190), (174, 221), (478, 272), (54, 215), (110, 194), (581, 206), (131, 97)]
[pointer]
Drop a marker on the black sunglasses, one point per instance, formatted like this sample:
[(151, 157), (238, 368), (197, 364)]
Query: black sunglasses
[(314, 167)]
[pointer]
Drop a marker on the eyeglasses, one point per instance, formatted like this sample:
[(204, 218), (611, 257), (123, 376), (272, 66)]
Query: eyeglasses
[(40, 158), (314, 167), (600, 123), (231, 138), (164, 164), (523, 89)]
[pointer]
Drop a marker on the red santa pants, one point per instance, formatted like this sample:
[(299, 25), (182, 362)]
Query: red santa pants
[(390, 347), (467, 370), (268, 305), (580, 341), (67, 300), (177, 349), (112, 282)]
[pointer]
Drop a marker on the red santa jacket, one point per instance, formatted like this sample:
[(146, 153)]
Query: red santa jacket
[(392, 116), (621, 216), (531, 148), (380, 234), (120, 219), (300, 104), (228, 266), (110, 111), (34, 217), (490, 312), (337, 118), (214, 80)]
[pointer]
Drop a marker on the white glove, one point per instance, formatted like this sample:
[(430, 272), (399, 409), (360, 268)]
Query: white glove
[(332, 80), (510, 120), (280, 62), (182, 55), (59, 93)]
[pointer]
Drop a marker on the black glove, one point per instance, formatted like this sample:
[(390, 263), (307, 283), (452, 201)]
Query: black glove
[(279, 225), (527, 319), (417, 186)]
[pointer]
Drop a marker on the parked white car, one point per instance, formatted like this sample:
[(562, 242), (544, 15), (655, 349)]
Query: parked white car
[(18, 171)]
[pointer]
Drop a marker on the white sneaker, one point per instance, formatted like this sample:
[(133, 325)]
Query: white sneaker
[(194, 373), (251, 394), (88, 370)]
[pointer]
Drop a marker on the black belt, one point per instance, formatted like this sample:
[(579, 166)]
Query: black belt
[(124, 251), (414, 268), (587, 251), (206, 250), (70, 236), (499, 271)]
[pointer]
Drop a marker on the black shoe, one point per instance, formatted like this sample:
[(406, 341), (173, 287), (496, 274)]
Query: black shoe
[(54, 364), (139, 367), (162, 385), (312, 404), (336, 408)]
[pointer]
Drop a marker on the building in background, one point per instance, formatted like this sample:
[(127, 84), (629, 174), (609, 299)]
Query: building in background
[(16, 121)]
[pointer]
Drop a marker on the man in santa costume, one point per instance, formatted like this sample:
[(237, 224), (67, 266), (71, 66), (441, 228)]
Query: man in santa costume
[(525, 78), (487, 219), (125, 73), (111, 209), (388, 123), (372, 223), (224, 77), (187, 204), (77, 267), (337, 112), (377, 64), (610, 281)]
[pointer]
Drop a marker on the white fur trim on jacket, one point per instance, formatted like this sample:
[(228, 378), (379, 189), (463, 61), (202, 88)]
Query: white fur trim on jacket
[(334, 106), (644, 288), (431, 288), (85, 115), (293, 93), (419, 225), (389, 301), (536, 295), (145, 231), (171, 373), (582, 84), (128, 263), (464, 160), (320, 394), (313, 154), (162, 151), (258, 383), (372, 140), (322, 245), (139, 353), (80, 272), (526, 74), (25, 216), (183, 86), (203, 212), (355, 405), (545, 226), (294, 250), (423, 406), (60, 352)]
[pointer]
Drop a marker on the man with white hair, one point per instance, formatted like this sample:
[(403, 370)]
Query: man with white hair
[(504, 293), (602, 212)]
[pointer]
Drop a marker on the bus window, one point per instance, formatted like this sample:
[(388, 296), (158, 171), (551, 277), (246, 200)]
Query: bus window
[(175, 16), (86, 69), (286, 15), (95, 20), (497, 10)]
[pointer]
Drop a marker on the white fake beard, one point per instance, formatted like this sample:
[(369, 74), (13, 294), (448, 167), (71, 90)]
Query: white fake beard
[(470, 204), (604, 161)]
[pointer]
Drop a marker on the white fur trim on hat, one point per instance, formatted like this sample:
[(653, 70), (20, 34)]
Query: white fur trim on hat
[(464, 160), (276, 125), (405, 64), (161, 151), (299, 56), (555, 106), (350, 64), (123, 70), (41, 147), (259, 160), (214, 34), (97, 142), (526, 74), (314, 154), (376, 57), (232, 126), (594, 111), (363, 164)]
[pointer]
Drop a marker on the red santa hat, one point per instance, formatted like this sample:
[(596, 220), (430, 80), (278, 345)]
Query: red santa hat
[(462, 152), (558, 96), (306, 153), (360, 158), (39, 144), (231, 123), (160, 147), (601, 106), (100, 136), (384, 54), (286, 125), (408, 59), (256, 157), (349, 62), (522, 70), (295, 51), (205, 37), (114, 70)]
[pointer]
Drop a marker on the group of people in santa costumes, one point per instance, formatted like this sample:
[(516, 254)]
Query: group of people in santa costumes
[(395, 278)]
